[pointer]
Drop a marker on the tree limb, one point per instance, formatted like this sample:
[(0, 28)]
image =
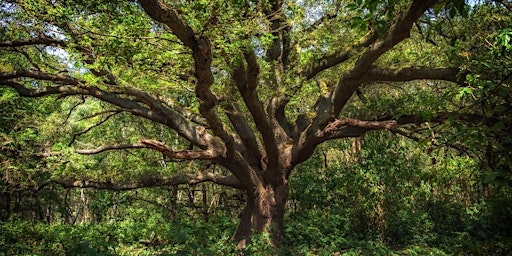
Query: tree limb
[(360, 125), (34, 41), (349, 82), (182, 154), (337, 57), (156, 145), (377, 74), (157, 111), (159, 11), (507, 4), (246, 82), (398, 31), (56, 78), (93, 126), (110, 147), (201, 51), (190, 179), (351, 127), (244, 131), (329, 106)]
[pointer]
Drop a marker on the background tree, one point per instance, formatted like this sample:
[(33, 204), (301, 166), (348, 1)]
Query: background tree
[(252, 86)]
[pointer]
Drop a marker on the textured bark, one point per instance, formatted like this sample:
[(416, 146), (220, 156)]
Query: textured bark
[(264, 212)]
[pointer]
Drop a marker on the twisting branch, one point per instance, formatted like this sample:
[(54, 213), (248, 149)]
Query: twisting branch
[(182, 155), (349, 82), (156, 145), (507, 4), (56, 78), (359, 123), (276, 19), (351, 127), (67, 90), (201, 52), (337, 57), (190, 179), (354, 125), (246, 82), (91, 127), (110, 147), (34, 41), (160, 12), (378, 74), (156, 110), (398, 31)]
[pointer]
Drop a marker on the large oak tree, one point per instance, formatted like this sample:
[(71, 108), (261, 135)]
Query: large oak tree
[(224, 76)]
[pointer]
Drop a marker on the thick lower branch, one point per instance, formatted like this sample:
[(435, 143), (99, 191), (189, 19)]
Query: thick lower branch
[(156, 111), (190, 179)]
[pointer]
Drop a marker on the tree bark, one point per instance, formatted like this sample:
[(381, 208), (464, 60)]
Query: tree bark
[(263, 213)]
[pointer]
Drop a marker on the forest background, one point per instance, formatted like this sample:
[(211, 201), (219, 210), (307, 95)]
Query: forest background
[(255, 127)]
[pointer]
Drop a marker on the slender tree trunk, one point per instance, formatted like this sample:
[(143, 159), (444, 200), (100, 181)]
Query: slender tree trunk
[(205, 203), (264, 212), (6, 201), (173, 191)]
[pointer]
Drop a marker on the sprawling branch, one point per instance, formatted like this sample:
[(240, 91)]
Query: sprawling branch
[(56, 78), (181, 155), (337, 57), (201, 52), (105, 148), (275, 17), (329, 108), (348, 127), (156, 145), (157, 111), (506, 3), (190, 179), (34, 41), (398, 31), (377, 74)]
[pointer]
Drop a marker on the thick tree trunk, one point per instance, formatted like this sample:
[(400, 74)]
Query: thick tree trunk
[(264, 212)]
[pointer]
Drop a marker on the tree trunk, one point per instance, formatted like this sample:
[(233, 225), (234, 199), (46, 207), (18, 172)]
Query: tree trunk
[(264, 212)]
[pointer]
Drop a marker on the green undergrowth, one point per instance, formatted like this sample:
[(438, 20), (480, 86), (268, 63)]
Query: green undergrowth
[(304, 235)]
